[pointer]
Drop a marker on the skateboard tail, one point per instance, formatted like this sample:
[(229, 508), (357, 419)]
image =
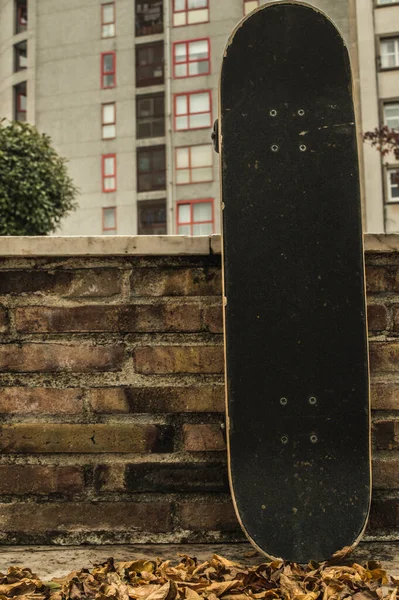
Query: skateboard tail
[(230, 136)]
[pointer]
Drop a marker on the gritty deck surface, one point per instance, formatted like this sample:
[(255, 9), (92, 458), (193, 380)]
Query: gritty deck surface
[(56, 561)]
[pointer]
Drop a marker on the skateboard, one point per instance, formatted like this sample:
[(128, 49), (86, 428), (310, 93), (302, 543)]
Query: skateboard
[(296, 354)]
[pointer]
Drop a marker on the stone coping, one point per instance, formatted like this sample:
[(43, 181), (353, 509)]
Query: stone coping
[(142, 245)]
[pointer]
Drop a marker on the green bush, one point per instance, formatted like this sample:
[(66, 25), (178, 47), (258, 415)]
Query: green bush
[(36, 191)]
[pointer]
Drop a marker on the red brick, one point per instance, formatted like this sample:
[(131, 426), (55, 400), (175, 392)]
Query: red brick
[(86, 283), (75, 438), (206, 398), (384, 357), (196, 516), (60, 357), (3, 320), (179, 359), (203, 438), (37, 479), (386, 472), (377, 317), (384, 434), (160, 317), (213, 318), (379, 279), (176, 282), (383, 515), (86, 516), (40, 401), (385, 396)]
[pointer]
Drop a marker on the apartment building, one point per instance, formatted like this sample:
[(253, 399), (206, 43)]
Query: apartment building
[(127, 90), (378, 34)]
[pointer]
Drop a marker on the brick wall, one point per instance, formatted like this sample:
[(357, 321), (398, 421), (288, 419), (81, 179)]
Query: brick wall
[(111, 398)]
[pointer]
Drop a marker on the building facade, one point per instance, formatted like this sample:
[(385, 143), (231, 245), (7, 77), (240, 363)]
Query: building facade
[(378, 34), (128, 92)]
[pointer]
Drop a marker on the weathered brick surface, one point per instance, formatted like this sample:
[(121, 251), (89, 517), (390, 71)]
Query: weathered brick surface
[(86, 283), (208, 516), (48, 357), (95, 516), (111, 395), (384, 357), (179, 359), (71, 438), (40, 401), (161, 317), (176, 282), (386, 472), (37, 479), (203, 438), (385, 396), (3, 320), (377, 317), (213, 318), (205, 398), (162, 477)]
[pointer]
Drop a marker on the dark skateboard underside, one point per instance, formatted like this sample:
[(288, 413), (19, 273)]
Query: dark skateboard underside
[(296, 345)]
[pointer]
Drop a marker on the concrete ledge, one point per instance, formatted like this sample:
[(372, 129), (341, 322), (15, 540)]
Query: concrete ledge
[(142, 245), (120, 245)]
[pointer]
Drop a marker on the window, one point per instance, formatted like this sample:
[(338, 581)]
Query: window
[(151, 169), (195, 217), (20, 56), (108, 120), (392, 185), (108, 70), (149, 64), (193, 110), (20, 101), (391, 115), (109, 220), (151, 217), (250, 5), (188, 12), (21, 16), (149, 17), (109, 172), (150, 116), (194, 164), (191, 58), (387, 2), (108, 20), (389, 49)]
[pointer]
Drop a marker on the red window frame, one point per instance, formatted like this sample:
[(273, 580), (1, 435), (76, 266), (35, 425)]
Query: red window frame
[(107, 22), (104, 176), (112, 72), (103, 124), (187, 10), (247, 2), (189, 94), (114, 208), (190, 167), (188, 61), (191, 222)]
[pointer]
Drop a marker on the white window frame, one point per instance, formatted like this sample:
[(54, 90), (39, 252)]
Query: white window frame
[(395, 54)]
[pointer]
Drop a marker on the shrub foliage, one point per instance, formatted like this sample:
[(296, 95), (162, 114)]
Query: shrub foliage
[(36, 191)]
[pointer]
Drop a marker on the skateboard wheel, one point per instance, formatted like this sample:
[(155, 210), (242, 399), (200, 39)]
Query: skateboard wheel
[(275, 148), (284, 439), (215, 136), (312, 400), (283, 401), (273, 113), (314, 439), (302, 148), (301, 112)]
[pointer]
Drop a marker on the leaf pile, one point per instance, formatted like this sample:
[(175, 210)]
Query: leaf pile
[(215, 579)]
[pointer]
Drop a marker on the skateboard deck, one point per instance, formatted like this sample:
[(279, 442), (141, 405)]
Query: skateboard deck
[(297, 389)]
